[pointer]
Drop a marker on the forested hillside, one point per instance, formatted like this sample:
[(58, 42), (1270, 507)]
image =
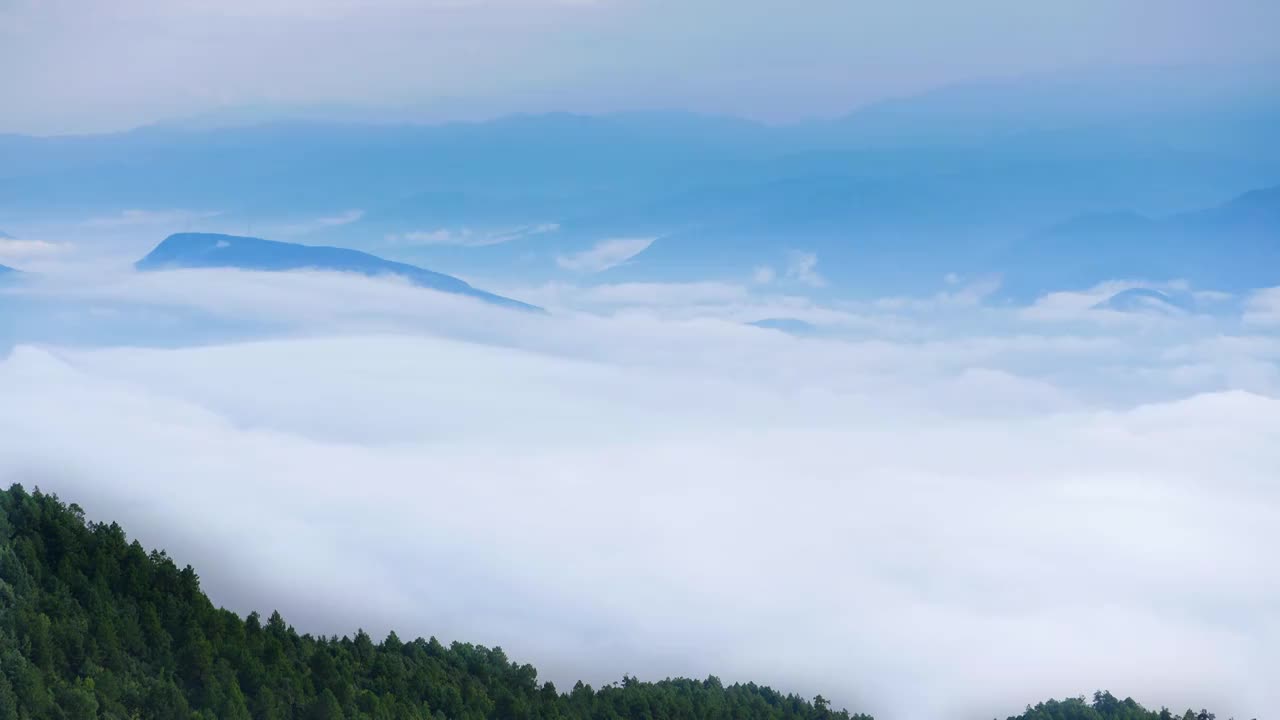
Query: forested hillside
[(94, 626), (1105, 706)]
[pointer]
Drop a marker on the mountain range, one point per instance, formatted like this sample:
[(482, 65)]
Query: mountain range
[(1229, 246), (211, 250), (889, 198), (1147, 300)]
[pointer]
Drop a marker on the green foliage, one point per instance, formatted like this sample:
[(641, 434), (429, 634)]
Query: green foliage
[(94, 626), (1105, 706)]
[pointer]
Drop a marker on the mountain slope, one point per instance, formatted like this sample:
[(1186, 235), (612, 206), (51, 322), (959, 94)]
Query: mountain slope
[(1177, 105), (210, 250), (1256, 212), (1147, 300), (93, 626), (1234, 246)]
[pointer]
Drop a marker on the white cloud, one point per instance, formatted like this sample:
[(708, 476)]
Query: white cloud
[(467, 237), (1211, 296), (344, 218), (931, 551), (310, 225), (801, 267), (635, 294), (605, 254), (143, 218), (441, 236), (950, 486), (970, 295), (1263, 307), (13, 249), (763, 275), (1081, 305)]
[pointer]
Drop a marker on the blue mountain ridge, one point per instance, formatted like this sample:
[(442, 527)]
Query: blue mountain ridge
[(212, 250), (791, 326), (1147, 300), (889, 198), (1232, 246)]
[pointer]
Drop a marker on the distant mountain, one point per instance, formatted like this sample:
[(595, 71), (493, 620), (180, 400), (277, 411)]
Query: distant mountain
[(1008, 138), (890, 198), (1179, 106), (1147, 300), (791, 326), (1233, 246), (1114, 222), (210, 250), (1255, 213), (5, 270)]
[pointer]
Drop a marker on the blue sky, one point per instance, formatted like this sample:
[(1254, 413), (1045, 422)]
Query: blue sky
[(72, 65)]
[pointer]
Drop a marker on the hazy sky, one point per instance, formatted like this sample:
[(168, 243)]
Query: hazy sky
[(75, 65)]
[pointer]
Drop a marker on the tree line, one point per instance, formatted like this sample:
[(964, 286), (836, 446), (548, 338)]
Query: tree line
[(93, 626)]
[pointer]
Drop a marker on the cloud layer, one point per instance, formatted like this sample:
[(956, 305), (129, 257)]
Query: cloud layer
[(605, 254), (898, 515)]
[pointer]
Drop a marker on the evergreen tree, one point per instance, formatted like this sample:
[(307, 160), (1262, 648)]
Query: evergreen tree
[(94, 626)]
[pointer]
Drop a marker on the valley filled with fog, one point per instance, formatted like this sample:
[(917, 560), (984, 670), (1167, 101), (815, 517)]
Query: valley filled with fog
[(939, 407), (895, 506)]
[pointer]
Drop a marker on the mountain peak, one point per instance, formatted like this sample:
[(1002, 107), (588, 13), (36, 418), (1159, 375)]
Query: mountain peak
[(214, 250), (1147, 300)]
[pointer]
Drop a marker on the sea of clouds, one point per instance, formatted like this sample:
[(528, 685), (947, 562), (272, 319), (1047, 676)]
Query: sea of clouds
[(926, 507)]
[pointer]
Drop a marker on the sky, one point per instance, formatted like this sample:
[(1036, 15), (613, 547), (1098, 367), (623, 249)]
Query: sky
[(78, 66)]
